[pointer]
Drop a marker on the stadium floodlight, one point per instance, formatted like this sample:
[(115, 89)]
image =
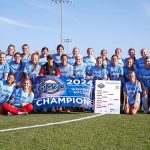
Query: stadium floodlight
[(61, 24), (67, 41)]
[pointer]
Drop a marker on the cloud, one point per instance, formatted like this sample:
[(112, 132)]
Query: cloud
[(20, 24)]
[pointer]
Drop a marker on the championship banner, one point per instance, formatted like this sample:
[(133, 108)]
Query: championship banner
[(51, 91), (107, 97)]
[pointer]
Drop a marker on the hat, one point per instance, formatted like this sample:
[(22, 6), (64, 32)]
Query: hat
[(50, 56)]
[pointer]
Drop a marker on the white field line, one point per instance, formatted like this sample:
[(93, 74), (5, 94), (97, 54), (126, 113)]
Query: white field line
[(50, 124)]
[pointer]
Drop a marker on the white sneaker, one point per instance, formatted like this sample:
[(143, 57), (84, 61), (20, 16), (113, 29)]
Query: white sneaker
[(10, 114), (22, 113)]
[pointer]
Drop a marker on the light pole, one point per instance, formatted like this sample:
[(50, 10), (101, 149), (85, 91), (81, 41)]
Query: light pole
[(67, 41), (61, 19)]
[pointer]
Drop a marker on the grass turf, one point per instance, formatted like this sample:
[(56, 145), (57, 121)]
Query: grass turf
[(33, 119), (104, 132)]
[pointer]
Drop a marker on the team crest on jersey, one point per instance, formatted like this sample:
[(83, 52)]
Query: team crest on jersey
[(101, 85), (50, 86)]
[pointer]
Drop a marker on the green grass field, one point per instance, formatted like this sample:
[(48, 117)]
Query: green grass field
[(103, 132)]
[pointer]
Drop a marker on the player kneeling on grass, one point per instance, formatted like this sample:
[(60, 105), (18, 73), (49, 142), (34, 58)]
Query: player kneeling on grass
[(132, 90), (6, 89), (20, 102)]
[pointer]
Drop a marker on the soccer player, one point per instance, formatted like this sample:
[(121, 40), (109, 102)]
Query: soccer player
[(132, 90), (79, 69), (26, 53), (57, 57), (89, 60), (106, 61), (115, 71), (6, 89), (129, 67), (98, 72), (118, 54), (33, 67), (11, 52), (17, 66), (144, 77), (140, 61), (52, 69), (21, 100), (43, 57), (66, 70), (75, 52), (4, 67), (131, 53)]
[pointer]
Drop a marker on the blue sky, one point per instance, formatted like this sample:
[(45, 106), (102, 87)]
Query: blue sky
[(100, 24)]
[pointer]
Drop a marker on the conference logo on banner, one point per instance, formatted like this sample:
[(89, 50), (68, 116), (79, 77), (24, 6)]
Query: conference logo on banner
[(62, 91), (50, 86)]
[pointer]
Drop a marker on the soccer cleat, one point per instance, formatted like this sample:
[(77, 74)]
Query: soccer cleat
[(81, 109), (22, 113), (10, 114), (59, 109), (76, 109), (68, 109)]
